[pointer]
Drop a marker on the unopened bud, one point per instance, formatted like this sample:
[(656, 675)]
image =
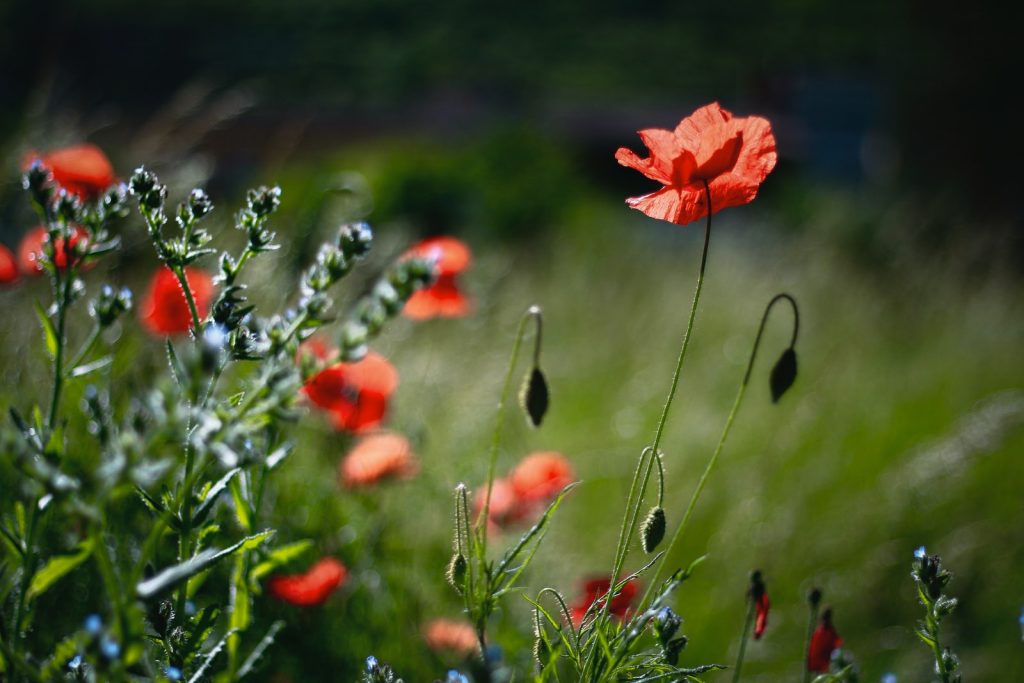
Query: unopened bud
[(456, 572), (534, 396), (653, 529), (783, 374)]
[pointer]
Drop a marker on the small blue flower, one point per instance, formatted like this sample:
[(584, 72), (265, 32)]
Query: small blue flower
[(173, 673), (93, 624), (75, 662), (1021, 618), (920, 553), (215, 336), (493, 654), (372, 666), (889, 678), (190, 608), (456, 677), (110, 649)]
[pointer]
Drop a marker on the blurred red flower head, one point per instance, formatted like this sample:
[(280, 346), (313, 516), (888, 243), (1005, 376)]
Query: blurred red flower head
[(30, 251), (539, 477), (824, 641), (311, 588), (354, 394), (8, 267), (164, 310), (384, 455), (761, 605), (451, 635), (506, 508), (443, 299), (83, 170), (732, 155), (594, 589)]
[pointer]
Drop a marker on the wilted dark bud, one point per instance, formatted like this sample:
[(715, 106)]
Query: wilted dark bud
[(199, 203), (814, 597), (354, 239), (673, 648), (456, 572), (653, 529), (783, 374), (666, 624), (36, 178), (263, 201), (142, 182), (68, 206), (110, 304), (533, 396)]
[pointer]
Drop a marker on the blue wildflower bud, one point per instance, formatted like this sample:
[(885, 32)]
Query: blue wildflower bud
[(456, 677), (173, 673), (354, 239), (110, 649), (372, 665), (199, 203), (666, 624), (93, 624)]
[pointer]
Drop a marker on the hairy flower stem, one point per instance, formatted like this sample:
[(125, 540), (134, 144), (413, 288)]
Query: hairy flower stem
[(748, 622), (633, 508), (62, 292), (725, 433), (179, 272)]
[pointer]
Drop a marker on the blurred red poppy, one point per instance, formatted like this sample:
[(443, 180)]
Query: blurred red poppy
[(355, 394), (732, 155), (311, 588), (594, 589), (506, 508), (30, 251), (539, 477), (8, 267), (164, 310), (384, 455), (443, 299), (824, 641), (83, 170), (451, 635), (317, 348), (761, 605)]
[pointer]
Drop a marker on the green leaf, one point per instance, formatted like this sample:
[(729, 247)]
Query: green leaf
[(241, 504), (56, 568), (83, 370), (172, 576), (210, 498), (279, 557), (49, 334), (180, 376)]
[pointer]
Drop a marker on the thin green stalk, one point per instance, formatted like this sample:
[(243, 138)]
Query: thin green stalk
[(532, 312), (743, 642), (26, 575), (812, 621), (725, 433), (87, 347), (63, 291), (629, 522)]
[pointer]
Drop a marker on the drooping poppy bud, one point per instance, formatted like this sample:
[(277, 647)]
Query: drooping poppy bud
[(653, 529), (783, 374), (534, 396), (824, 641)]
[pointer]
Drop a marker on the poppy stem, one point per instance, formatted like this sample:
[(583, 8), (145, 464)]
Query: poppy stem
[(812, 622), (725, 431), (748, 622), (633, 509)]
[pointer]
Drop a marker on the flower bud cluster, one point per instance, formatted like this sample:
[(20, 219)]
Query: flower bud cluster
[(110, 304)]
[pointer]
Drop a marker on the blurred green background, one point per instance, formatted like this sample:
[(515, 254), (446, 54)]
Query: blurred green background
[(893, 217)]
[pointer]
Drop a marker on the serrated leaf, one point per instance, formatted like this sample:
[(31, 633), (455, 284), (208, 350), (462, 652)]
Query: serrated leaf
[(56, 568), (210, 497), (49, 334), (174, 575)]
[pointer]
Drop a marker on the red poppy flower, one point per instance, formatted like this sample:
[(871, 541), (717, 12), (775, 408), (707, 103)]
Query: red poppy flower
[(164, 310), (824, 641), (311, 588), (318, 348), (594, 589), (443, 299), (506, 508), (539, 477), (451, 635), (355, 394), (761, 605), (8, 267), (30, 251), (376, 457), (83, 169), (733, 155)]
